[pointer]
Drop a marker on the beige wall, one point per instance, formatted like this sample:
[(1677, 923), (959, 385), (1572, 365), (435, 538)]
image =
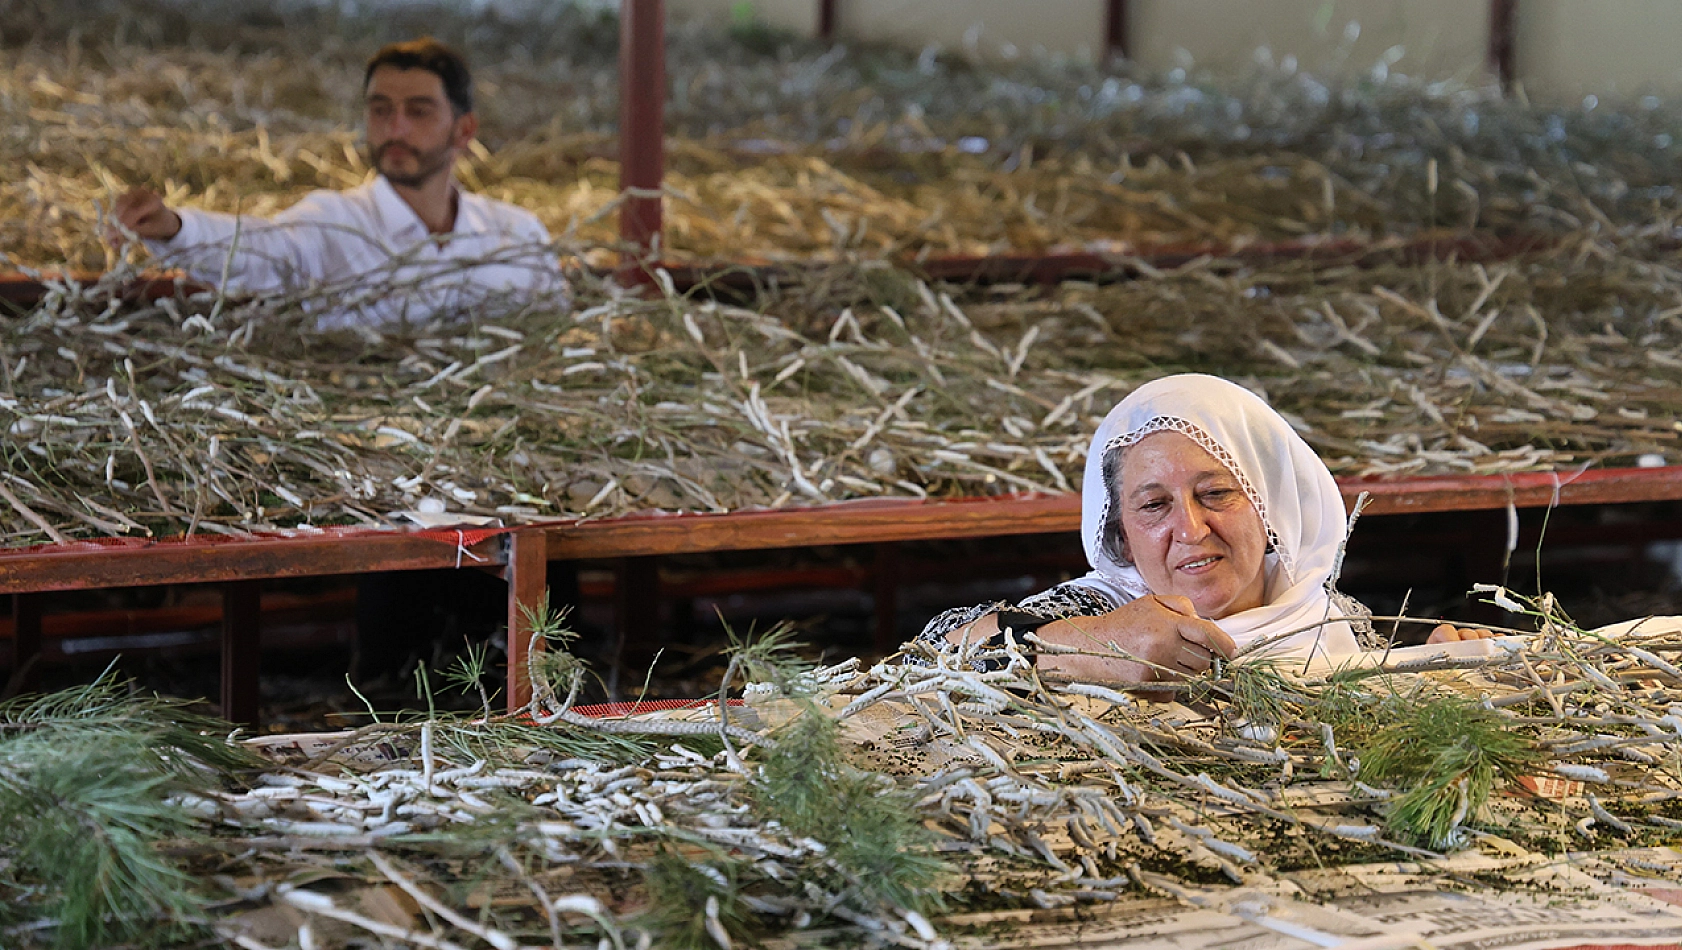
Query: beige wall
[(1437, 38), (1433, 39), (986, 28), (1567, 49)]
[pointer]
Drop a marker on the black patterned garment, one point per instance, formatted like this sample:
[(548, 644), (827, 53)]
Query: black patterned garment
[(1071, 599), (1074, 599)]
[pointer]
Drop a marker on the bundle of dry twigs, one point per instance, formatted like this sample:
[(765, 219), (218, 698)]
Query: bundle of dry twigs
[(856, 380), (1004, 792), (795, 149)]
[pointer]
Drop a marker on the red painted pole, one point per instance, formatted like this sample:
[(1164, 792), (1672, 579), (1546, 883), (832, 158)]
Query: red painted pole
[(242, 652), (1117, 39), (1503, 32), (642, 107), (826, 20)]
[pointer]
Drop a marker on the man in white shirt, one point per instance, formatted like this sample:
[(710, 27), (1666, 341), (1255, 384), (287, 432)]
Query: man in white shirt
[(409, 245)]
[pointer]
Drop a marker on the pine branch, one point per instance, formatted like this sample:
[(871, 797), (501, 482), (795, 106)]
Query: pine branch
[(86, 781)]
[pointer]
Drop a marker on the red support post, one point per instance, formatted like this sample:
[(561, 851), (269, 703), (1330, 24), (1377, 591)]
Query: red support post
[(1118, 40), (826, 20), (642, 105), (525, 569), (26, 644), (242, 652), (887, 576), (1503, 32)]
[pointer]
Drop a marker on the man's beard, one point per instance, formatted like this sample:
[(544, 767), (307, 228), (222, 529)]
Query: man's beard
[(427, 164)]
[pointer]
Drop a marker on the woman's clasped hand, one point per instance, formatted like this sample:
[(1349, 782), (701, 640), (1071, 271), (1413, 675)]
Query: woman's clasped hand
[(1449, 633), (1146, 639)]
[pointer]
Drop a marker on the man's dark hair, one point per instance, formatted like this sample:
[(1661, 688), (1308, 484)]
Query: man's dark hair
[(434, 57)]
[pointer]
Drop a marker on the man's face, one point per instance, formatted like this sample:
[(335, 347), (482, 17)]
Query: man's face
[(414, 133)]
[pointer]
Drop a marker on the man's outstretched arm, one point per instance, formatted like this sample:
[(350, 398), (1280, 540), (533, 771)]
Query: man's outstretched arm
[(292, 251)]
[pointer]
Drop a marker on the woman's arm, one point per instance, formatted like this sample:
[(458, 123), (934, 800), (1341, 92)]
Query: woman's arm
[(1163, 636)]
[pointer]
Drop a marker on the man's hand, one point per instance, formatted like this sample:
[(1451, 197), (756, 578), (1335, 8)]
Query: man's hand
[(144, 212), (1449, 633), (1163, 633)]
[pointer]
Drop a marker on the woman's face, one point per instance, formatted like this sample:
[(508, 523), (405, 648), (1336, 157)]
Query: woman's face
[(1188, 526)]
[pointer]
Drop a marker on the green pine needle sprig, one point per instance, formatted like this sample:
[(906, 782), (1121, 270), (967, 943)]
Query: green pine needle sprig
[(1446, 754), (679, 892), (87, 778), (876, 842)]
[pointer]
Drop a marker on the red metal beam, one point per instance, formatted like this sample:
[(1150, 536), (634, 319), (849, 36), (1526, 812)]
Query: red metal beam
[(1503, 41), (851, 522), (91, 566), (642, 106), (1521, 489), (878, 520), (527, 560)]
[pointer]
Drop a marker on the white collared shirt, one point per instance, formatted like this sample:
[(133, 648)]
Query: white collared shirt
[(364, 257)]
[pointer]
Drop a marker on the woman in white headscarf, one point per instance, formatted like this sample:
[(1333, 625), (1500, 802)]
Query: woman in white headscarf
[(1210, 526)]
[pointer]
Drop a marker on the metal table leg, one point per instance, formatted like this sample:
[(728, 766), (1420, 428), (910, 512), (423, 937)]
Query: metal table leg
[(242, 652), (525, 573), (26, 644)]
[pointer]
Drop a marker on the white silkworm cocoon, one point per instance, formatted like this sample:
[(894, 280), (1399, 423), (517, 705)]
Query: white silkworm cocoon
[(1207, 838), (1358, 832), (313, 829), (308, 900), (498, 781), (1221, 791), (451, 776), (921, 924), (1098, 692), (1265, 756), (1582, 773), (715, 928), (578, 904), (281, 794), (1655, 661), (1607, 818), (195, 805), (1146, 830)]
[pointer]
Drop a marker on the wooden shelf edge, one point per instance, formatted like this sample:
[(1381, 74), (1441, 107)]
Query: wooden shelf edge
[(913, 519), (83, 568)]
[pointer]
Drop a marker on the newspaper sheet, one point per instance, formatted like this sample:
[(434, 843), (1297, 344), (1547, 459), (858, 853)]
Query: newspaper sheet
[(1547, 904)]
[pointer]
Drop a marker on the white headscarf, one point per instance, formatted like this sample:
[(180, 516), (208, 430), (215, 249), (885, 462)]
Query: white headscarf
[(1291, 489)]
